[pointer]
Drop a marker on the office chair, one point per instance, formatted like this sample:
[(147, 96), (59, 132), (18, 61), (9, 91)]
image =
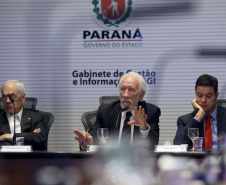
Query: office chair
[(48, 121), (88, 118), (108, 99), (30, 103), (221, 102)]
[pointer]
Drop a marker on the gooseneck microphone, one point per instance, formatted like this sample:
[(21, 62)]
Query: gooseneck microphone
[(12, 101), (122, 110)]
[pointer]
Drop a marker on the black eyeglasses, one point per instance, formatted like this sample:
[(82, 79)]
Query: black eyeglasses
[(10, 96)]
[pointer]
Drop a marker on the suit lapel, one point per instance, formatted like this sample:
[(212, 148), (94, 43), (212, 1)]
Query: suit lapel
[(4, 124), (221, 117), (115, 117), (25, 121)]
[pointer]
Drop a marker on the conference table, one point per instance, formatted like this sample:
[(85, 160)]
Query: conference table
[(102, 167), (42, 167)]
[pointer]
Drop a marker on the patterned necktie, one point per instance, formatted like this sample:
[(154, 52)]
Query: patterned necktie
[(126, 131), (208, 133)]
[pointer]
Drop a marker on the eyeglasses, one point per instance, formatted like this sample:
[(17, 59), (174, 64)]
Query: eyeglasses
[(10, 96)]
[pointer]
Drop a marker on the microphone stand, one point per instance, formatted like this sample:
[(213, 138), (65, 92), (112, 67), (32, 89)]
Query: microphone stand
[(14, 136), (122, 110)]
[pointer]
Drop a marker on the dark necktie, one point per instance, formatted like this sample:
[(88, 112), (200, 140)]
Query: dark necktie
[(208, 133), (126, 131)]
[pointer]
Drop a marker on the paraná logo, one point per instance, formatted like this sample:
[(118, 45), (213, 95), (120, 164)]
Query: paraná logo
[(112, 14)]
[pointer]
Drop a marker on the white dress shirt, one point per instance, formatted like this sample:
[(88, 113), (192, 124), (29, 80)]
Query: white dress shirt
[(17, 122), (143, 133)]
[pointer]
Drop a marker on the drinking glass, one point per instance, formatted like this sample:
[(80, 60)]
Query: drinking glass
[(102, 134), (19, 140), (198, 143), (193, 133)]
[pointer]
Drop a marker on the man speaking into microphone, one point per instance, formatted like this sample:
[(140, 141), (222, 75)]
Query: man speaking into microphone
[(15, 121), (127, 120)]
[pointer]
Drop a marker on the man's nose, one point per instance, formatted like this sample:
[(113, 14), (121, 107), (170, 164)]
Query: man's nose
[(126, 93), (8, 100), (203, 99)]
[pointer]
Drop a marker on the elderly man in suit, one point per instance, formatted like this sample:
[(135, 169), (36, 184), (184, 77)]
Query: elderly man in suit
[(29, 125), (209, 118), (141, 119)]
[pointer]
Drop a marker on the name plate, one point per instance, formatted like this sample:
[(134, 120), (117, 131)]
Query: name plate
[(21, 148), (171, 148), (94, 148)]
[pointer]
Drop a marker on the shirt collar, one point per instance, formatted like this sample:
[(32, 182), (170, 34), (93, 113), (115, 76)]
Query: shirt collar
[(214, 113), (19, 115), (124, 113)]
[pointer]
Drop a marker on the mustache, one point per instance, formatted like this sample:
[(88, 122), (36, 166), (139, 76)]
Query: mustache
[(126, 99)]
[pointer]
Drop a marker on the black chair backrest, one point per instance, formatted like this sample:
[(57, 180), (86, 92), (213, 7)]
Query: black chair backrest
[(221, 102), (88, 118), (49, 119), (1, 104), (30, 103), (108, 99)]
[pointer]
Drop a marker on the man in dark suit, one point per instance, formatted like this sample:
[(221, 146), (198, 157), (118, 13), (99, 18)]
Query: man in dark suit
[(144, 121), (29, 125), (205, 106)]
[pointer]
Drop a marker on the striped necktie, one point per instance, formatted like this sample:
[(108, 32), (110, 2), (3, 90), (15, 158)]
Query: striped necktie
[(126, 131)]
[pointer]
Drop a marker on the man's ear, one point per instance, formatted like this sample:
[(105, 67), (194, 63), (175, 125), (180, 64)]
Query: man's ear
[(217, 94), (142, 93), (23, 97)]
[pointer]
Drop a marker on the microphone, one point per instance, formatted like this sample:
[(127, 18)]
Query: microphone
[(122, 110), (12, 100)]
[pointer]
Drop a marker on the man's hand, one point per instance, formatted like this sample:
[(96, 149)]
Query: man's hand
[(84, 138), (6, 137), (200, 114), (37, 130), (139, 118)]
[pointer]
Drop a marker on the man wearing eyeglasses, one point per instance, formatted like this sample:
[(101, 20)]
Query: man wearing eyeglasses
[(143, 118), (28, 124)]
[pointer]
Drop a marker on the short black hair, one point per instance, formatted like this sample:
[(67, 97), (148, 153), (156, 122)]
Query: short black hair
[(207, 80)]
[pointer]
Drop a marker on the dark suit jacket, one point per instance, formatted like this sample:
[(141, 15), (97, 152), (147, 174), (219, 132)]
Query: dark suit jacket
[(187, 121), (108, 114), (29, 122)]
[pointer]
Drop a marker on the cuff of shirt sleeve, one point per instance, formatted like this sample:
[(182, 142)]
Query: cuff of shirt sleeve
[(82, 148), (12, 137), (144, 133), (197, 119)]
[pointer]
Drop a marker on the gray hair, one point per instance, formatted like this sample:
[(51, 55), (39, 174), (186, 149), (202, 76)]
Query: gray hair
[(20, 85), (142, 84)]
